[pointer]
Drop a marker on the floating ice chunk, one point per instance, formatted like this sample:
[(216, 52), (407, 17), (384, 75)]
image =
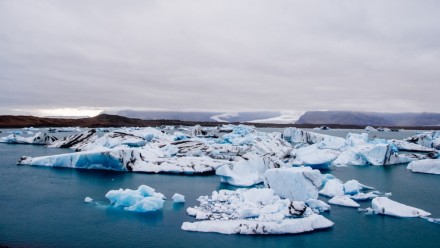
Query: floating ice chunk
[(343, 200), (326, 177), (331, 142), (364, 196), (88, 199), (178, 198), (352, 187), (75, 141), (69, 129), (245, 226), (127, 159), (30, 129), (37, 139), (370, 129), (144, 199), (403, 145), (367, 211), (295, 135), (15, 132), (431, 166), (427, 139), (383, 205), (259, 211), (314, 157), (298, 183), (332, 188), (318, 205), (244, 172), (432, 220)]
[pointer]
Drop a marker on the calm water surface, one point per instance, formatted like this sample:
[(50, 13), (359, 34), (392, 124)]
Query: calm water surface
[(44, 207)]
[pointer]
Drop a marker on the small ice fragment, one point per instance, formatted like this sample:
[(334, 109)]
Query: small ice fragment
[(88, 199), (178, 198)]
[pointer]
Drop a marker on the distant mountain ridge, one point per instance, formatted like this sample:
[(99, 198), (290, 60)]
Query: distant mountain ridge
[(209, 116), (369, 118)]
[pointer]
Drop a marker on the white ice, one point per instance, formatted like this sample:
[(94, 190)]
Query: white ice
[(332, 188), (259, 211), (144, 199), (431, 166), (383, 205), (178, 198), (297, 183), (343, 200)]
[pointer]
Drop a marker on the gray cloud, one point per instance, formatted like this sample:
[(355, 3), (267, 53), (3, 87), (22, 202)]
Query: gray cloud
[(220, 55)]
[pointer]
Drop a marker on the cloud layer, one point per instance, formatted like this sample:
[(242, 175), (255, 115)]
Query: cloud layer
[(220, 55)]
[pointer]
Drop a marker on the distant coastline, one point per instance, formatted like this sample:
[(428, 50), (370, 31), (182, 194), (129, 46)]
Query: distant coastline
[(106, 120)]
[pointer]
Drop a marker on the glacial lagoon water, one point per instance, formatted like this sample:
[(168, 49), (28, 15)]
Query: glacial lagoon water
[(44, 207)]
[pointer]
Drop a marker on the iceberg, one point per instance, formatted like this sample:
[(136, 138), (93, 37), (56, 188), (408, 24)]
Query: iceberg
[(88, 199), (426, 139), (151, 160), (297, 183), (75, 141), (403, 145), (252, 211), (383, 205), (178, 198), (370, 129), (431, 166), (69, 129), (144, 199), (332, 188), (314, 157), (286, 226), (364, 196), (298, 136), (243, 173), (37, 139), (317, 205), (343, 200)]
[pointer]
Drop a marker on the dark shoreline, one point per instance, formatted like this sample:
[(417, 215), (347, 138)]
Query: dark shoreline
[(105, 120)]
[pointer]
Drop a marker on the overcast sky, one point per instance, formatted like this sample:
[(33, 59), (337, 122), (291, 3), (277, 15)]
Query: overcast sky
[(220, 55)]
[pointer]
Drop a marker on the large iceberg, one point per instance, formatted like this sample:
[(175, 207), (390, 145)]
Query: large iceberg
[(241, 226), (431, 166), (297, 183), (37, 139), (75, 141), (426, 139), (151, 160), (252, 211), (144, 199), (383, 205)]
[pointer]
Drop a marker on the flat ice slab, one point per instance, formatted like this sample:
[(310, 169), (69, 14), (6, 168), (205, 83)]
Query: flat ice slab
[(345, 201), (383, 205), (431, 166), (245, 226)]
